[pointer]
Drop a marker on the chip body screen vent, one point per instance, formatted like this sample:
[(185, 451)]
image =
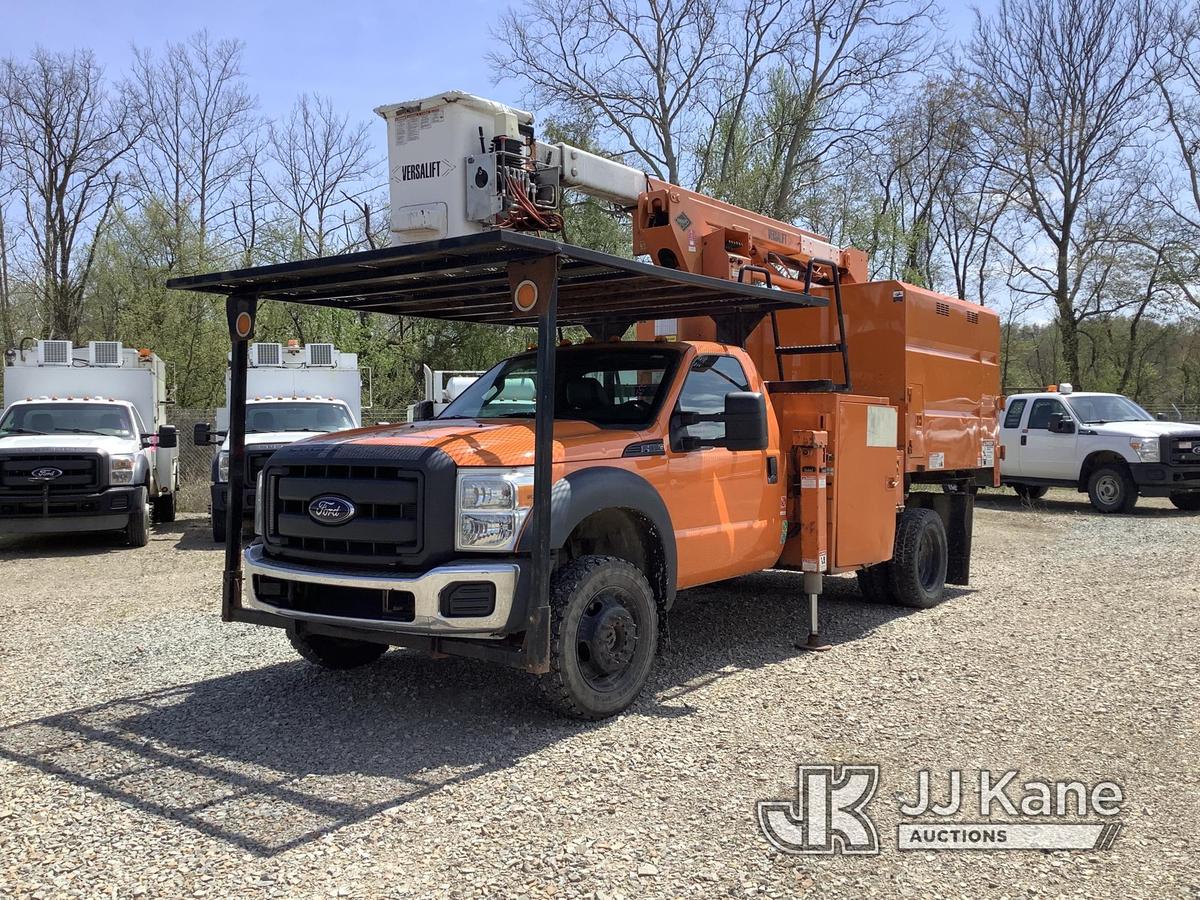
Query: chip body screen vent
[(943, 309)]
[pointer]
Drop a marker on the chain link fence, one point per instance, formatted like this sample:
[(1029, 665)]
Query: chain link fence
[(195, 463)]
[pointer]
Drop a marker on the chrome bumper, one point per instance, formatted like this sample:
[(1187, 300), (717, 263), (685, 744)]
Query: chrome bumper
[(425, 588)]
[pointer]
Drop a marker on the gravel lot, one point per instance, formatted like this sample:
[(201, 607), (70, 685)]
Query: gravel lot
[(148, 750)]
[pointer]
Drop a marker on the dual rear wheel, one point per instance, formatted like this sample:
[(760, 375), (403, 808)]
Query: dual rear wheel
[(915, 576)]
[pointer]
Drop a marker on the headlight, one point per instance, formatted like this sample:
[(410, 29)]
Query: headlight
[(223, 466), (120, 468), (491, 507), (1145, 448)]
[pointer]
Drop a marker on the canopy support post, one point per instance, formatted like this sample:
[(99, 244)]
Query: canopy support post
[(240, 310)]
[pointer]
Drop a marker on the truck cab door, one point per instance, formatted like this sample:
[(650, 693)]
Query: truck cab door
[(726, 506), (1044, 453), (1010, 436)]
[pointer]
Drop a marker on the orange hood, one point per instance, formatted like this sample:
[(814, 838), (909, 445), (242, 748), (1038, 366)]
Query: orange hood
[(489, 442)]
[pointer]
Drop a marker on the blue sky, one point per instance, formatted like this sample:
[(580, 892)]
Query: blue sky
[(361, 53)]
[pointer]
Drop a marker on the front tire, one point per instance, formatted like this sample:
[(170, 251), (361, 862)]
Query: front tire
[(137, 532), (1030, 492), (920, 560), (218, 529), (164, 508), (603, 635), (1112, 490), (1186, 500), (335, 653)]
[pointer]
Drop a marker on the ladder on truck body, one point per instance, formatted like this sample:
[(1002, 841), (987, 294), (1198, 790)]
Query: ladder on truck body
[(816, 385)]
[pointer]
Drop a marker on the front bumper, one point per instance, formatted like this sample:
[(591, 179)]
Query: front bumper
[(106, 510), (426, 590), (1161, 480)]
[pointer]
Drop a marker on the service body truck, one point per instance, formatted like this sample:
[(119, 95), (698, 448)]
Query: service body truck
[(293, 392), (1104, 445), (84, 444), (442, 387), (548, 516)]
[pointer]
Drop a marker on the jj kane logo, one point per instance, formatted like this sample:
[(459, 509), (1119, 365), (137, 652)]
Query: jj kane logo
[(829, 813), (331, 510)]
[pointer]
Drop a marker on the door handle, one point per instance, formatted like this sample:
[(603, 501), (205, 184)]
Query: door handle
[(1023, 437), (772, 470)]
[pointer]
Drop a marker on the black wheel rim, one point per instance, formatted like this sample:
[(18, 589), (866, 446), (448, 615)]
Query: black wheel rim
[(607, 639), (928, 560)]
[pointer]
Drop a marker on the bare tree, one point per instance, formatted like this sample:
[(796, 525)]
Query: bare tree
[(1062, 98), (1177, 80), (199, 113), (321, 157), (66, 133)]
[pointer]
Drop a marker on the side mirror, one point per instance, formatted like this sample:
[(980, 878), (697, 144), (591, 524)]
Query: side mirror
[(1162, 417), (1060, 424), (423, 411), (168, 437), (745, 421), (201, 434)]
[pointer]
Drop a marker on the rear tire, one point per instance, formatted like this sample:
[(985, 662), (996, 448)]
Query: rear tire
[(137, 532), (1186, 500), (218, 529), (1112, 490), (335, 653), (164, 508), (1030, 491), (603, 637), (918, 567), (875, 583)]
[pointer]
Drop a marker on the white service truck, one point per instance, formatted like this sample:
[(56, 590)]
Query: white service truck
[(293, 391), (442, 387), (84, 443), (1104, 445)]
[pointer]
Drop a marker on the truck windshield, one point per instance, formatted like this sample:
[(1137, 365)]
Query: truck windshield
[(605, 385), (302, 416), (67, 418), (1107, 408)]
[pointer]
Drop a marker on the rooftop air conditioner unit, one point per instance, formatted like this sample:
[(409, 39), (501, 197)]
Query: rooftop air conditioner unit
[(266, 354), (319, 355), (104, 353), (54, 353)]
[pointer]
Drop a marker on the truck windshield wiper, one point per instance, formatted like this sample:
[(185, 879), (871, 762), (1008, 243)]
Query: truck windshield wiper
[(8, 431), (85, 431)]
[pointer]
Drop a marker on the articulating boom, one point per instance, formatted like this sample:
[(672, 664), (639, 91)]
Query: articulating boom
[(514, 181)]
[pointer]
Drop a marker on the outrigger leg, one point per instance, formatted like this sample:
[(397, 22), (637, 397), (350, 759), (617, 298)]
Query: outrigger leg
[(812, 587)]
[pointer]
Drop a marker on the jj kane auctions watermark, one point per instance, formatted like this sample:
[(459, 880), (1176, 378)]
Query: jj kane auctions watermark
[(830, 812)]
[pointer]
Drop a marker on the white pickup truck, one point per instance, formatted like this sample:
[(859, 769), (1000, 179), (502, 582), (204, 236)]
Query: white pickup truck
[(1104, 445)]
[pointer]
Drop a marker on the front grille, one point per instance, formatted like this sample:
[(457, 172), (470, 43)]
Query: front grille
[(80, 473), (386, 526), (1182, 450)]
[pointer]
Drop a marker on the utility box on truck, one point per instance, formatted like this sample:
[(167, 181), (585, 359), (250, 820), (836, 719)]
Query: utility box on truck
[(936, 359), (84, 444)]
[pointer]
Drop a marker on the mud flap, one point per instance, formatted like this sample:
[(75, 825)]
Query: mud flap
[(957, 512)]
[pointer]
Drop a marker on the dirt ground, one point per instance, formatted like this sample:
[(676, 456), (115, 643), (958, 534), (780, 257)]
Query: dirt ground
[(148, 750)]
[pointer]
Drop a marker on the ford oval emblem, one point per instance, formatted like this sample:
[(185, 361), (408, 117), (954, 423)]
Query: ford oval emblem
[(45, 473), (329, 509)]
